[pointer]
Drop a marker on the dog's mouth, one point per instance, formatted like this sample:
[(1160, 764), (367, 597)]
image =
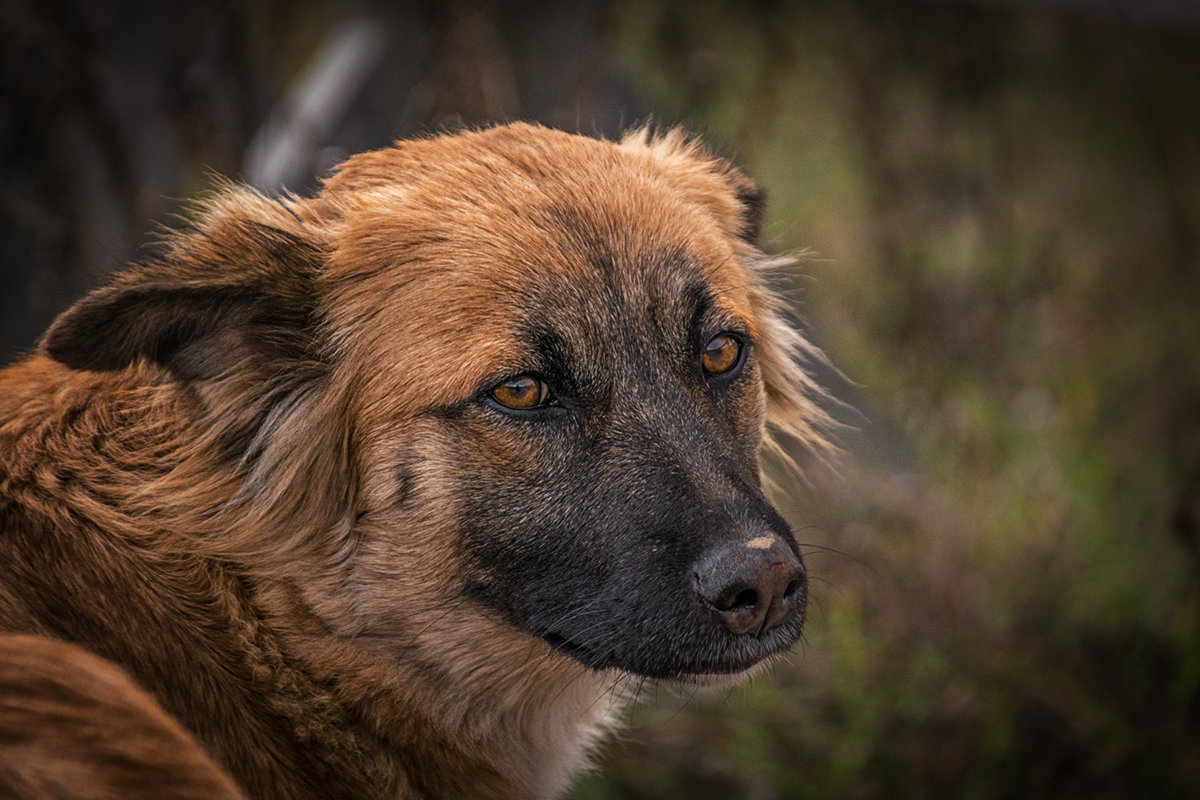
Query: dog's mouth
[(561, 644), (725, 665)]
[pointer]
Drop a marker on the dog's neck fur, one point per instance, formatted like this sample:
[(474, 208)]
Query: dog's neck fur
[(349, 705), (546, 718)]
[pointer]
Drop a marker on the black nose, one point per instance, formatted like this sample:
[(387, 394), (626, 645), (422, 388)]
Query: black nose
[(754, 585)]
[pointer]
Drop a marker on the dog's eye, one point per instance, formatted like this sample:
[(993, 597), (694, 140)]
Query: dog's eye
[(721, 354), (522, 392)]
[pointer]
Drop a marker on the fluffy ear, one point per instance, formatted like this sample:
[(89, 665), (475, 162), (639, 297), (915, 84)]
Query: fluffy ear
[(689, 157), (238, 286), (753, 201)]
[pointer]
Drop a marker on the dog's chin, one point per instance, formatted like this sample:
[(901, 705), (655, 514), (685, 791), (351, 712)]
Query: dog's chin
[(718, 673), (721, 680)]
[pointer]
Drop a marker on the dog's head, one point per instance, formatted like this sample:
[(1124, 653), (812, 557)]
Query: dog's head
[(506, 381)]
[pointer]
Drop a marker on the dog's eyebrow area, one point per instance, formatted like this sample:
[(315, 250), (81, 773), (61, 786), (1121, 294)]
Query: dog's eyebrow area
[(703, 295), (546, 352), (710, 315), (604, 308)]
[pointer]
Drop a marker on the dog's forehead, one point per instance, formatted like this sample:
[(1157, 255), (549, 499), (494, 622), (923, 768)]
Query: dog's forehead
[(473, 251)]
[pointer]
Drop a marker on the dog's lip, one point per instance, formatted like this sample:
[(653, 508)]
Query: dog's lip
[(700, 679), (561, 644), (707, 671)]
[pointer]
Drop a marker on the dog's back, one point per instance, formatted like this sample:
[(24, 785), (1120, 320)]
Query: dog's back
[(75, 727), (79, 565)]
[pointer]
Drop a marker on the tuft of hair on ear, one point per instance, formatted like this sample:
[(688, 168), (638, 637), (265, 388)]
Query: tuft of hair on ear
[(753, 200), (238, 285), (687, 155)]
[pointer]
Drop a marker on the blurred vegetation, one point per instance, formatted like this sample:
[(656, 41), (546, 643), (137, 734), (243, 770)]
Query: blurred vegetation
[(1004, 200)]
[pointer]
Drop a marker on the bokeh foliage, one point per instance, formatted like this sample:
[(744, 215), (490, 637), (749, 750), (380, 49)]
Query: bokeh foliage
[(1003, 200)]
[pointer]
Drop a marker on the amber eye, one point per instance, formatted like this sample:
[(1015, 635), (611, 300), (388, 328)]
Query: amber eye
[(522, 392), (721, 354)]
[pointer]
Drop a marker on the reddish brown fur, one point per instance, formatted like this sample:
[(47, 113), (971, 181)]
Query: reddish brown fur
[(75, 726), (226, 526)]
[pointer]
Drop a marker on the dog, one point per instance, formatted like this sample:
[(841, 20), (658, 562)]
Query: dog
[(381, 492)]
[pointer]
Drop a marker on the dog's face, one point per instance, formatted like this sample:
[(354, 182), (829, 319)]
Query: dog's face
[(610, 477), (592, 400), (551, 360)]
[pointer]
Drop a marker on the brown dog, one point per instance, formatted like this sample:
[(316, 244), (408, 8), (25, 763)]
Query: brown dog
[(379, 493)]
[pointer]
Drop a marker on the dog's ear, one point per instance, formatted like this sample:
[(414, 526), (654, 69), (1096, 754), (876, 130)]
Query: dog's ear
[(753, 201), (239, 286), (739, 200)]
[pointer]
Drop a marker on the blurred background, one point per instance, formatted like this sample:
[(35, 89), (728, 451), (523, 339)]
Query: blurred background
[(998, 207)]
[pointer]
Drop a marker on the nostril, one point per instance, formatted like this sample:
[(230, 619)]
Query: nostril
[(735, 600), (793, 588)]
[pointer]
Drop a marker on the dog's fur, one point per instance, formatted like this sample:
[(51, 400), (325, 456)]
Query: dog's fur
[(264, 473)]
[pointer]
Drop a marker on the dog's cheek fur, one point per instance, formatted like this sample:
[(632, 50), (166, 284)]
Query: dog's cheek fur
[(410, 609), (744, 405)]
